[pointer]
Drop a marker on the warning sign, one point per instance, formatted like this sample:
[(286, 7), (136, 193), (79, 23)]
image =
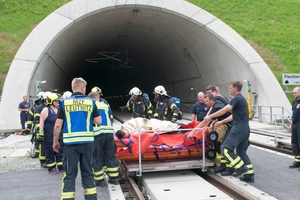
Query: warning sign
[(291, 79)]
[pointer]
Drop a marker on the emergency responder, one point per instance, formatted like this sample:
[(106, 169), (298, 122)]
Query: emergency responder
[(139, 104), (104, 145), (99, 91), (165, 108), (216, 105), (31, 125), (76, 116), (67, 94), (295, 128), (47, 120), (200, 109), (238, 136), (212, 89), (24, 108), (36, 121)]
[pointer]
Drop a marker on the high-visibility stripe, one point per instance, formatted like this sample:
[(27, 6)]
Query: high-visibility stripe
[(90, 191), (250, 169), (236, 163), (67, 195)]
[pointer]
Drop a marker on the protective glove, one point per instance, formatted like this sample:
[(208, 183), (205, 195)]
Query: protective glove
[(124, 108), (41, 136)]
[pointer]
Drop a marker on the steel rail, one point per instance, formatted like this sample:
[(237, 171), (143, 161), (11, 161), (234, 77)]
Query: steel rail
[(221, 184), (133, 188), (272, 148)]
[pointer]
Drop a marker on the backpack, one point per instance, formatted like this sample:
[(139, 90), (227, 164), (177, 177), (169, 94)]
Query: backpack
[(176, 101), (145, 96)]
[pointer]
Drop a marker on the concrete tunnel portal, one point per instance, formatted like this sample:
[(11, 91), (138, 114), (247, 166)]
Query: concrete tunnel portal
[(117, 46)]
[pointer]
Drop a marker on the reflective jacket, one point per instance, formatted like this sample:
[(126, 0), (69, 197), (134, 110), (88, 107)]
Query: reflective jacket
[(106, 126), (78, 120)]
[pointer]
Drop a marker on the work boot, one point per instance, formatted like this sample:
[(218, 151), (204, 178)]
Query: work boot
[(227, 172), (294, 165), (100, 183), (35, 155), (113, 181), (247, 178), (53, 171), (43, 164), (240, 171), (220, 169)]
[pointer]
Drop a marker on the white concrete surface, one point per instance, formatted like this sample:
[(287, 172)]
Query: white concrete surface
[(173, 41), (178, 185)]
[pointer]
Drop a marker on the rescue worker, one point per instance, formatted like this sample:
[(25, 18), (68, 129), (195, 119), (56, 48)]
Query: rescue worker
[(76, 116), (165, 108), (37, 114), (139, 104), (212, 89), (31, 125), (221, 129), (67, 94), (47, 120), (104, 145), (238, 137), (199, 110), (24, 108), (99, 91), (294, 128)]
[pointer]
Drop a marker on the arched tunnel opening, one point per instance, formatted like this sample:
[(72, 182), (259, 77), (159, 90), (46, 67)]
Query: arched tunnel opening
[(117, 46)]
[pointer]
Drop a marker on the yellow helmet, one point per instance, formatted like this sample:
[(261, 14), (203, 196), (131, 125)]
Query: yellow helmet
[(51, 97), (97, 90)]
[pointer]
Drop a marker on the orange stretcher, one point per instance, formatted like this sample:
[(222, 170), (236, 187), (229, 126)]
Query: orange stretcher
[(168, 146)]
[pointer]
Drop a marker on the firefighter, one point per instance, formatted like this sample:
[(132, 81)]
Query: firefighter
[(139, 104), (47, 120), (67, 94), (104, 145), (37, 114), (234, 147), (31, 125), (99, 91), (76, 116), (294, 128), (165, 108)]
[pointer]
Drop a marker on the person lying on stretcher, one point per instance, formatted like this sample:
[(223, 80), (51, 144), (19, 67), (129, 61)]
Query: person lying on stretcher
[(141, 124)]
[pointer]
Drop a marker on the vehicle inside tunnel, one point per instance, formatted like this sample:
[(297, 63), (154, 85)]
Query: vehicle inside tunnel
[(118, 45)]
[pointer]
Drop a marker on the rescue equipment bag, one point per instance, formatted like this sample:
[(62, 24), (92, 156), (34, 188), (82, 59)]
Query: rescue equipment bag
[(176, 101)]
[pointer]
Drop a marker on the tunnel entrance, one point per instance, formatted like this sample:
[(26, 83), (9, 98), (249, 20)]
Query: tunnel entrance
[(119, 45)]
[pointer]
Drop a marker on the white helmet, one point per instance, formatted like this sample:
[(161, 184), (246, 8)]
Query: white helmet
[(46, 94), (160, 90), (40, 95), (67, 94), (135, 91)]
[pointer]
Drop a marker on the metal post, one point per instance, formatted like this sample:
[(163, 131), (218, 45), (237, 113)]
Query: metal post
[(275, 130), (271, 114), (259, 114), (140, 155), (282, 116), (203, 151)]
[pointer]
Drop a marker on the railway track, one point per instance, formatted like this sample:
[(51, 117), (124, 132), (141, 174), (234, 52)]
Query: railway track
[(281, 149)]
